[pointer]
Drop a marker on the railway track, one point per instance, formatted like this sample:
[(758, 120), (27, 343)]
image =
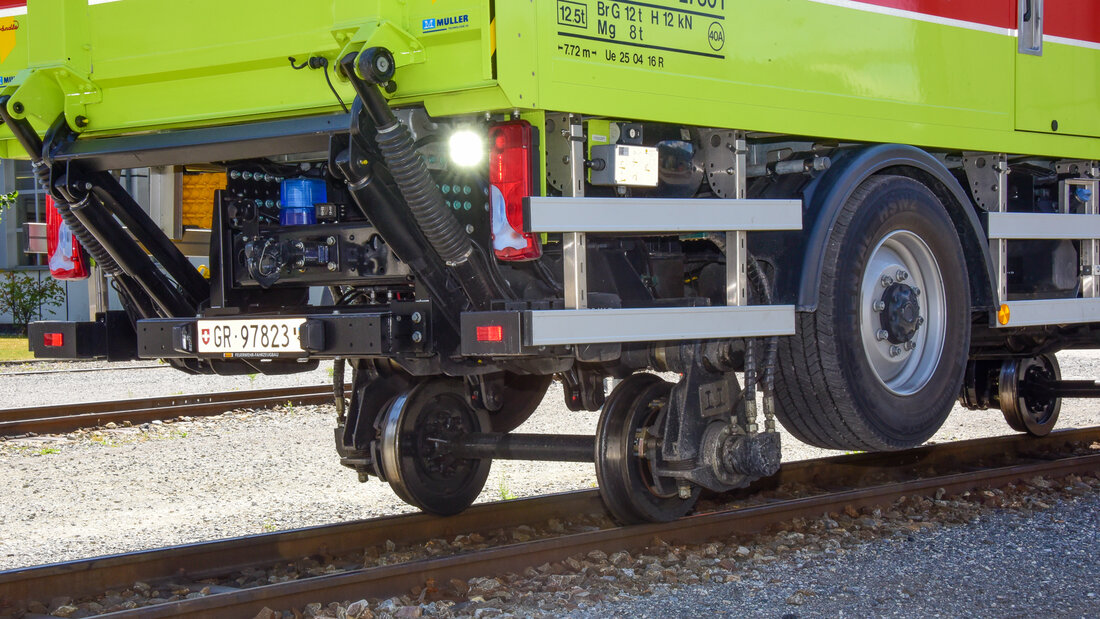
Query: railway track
[(69, 417), (823, 486)]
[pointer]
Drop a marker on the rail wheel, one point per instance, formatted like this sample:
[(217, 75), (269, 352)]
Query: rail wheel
[(521, 395), (1027, 410), (415, 457), (626, 450), (880, 363)]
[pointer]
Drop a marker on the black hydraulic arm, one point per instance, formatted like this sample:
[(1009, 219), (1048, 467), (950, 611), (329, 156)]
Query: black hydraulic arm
[(139, 280), (466, 260)]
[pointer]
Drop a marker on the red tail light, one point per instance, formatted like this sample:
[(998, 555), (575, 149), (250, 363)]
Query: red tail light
[(53, 340), (511, 173), (67, 258), (493, 333)]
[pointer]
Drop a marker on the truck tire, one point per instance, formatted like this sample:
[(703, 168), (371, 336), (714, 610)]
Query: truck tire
[(880, 363)]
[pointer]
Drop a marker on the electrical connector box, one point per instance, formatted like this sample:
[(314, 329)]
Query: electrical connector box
[(634, 166)]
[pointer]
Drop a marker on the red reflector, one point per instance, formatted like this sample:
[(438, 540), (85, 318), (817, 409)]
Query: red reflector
[(493, 333), (53, 340), (511, 173)]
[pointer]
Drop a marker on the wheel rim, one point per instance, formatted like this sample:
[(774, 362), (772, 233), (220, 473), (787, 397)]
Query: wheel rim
[(903, 312), (1024, 410), (414, 457), (627, 485)]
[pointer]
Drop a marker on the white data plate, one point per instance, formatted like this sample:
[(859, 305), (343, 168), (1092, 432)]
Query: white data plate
[(267, 336)]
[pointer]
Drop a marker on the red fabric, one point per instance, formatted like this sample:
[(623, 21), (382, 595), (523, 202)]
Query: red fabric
[(8, 4)]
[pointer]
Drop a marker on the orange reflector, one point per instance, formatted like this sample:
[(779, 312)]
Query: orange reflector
[(1004, 314), (493, 333), (53, 340)]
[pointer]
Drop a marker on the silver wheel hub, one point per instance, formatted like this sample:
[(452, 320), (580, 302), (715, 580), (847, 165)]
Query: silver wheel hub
[(903, 312)]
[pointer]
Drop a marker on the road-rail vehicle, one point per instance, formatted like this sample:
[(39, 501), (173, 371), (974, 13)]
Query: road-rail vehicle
[(844, 215)]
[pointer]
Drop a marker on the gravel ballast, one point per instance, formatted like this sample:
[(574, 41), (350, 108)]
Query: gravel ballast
[(107, 491)]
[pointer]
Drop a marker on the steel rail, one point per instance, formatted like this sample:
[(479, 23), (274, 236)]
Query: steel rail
[(68, 417), (858, 480)]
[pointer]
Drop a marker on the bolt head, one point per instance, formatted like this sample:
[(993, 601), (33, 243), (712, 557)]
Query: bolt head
[(902, 275), (417, 336), (910, 345), (895, 351), (685, 491), (416, 317), (881, 335), (920, 320), (916, 291), (887, 281), (880, 305), (330, 240), (332, 266)]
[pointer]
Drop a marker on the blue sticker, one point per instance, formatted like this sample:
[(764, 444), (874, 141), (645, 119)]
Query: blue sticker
[(445, 23)]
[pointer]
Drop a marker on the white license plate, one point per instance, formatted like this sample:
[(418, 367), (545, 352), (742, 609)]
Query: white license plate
[(264, 336)]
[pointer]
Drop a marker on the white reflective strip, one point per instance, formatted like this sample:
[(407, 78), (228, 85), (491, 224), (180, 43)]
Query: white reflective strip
[(13, 11), (657, 324), (1047, 38), (1052, 312), (924, 17)]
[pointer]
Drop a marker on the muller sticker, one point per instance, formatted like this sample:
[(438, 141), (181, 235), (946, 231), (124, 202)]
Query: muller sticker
[(445, 23)]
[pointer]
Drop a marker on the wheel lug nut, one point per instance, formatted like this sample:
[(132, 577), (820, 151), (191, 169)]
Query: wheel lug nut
[(910, 345), (882, 335), (887, 281), (895, 351), (920, 320), (902, 275), (916, 291), (880, 305)]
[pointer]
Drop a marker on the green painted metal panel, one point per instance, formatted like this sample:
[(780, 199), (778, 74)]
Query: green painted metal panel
[(1063, 86), (786, 66)]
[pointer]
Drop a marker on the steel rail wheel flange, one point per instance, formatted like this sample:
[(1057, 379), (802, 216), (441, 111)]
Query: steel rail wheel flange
[(1023, 408), (415, 453), (631, 490)]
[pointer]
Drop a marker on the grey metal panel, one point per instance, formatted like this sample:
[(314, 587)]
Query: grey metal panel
[(1043, 226), (592, 326), (1053, 312), (661, 215)]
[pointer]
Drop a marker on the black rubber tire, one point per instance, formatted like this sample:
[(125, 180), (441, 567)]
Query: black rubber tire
[(621, 474), (827, 393)]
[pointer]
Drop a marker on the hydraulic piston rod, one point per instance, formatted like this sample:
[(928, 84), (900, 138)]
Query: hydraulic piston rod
[(544, 447)]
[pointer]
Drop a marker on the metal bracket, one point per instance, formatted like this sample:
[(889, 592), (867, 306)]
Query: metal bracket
[(46, 93), (1090, 248), (406, 48), (996, 203), (575, 244)]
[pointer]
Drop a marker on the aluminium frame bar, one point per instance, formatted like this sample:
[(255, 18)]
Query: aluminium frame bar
[(656, 324)]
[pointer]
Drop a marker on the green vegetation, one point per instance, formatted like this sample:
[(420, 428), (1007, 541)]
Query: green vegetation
[(45, 451), (14, 349), (506, 493), (24, 296)]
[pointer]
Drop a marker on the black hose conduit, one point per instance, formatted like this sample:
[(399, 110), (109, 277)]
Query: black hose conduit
[(89, 242), (419, 190)]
